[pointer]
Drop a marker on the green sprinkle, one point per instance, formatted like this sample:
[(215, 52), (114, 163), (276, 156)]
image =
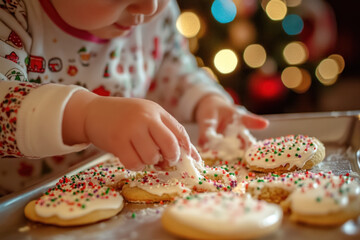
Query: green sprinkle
[(133, 215)]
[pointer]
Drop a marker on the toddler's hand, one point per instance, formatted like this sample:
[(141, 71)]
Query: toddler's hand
[(139, 132), (214, 111)]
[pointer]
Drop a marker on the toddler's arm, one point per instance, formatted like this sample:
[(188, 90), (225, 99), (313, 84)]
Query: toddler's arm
[(137, 131)]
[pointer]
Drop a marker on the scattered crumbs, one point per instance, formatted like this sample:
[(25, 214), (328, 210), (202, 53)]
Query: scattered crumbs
[(24, 229)]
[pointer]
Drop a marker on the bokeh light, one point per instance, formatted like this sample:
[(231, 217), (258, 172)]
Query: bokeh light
[(339, 60), (295, 53), (254, 55), (276, 10), (327, 71), (328, 68), (326, 82), (293, 24), (297, 79), (291, 77), (224, 11), (266, 87), (225, 61), (305, 83), (188, 24)]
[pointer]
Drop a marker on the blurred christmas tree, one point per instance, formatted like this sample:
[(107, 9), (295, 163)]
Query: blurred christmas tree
[(272, 56)]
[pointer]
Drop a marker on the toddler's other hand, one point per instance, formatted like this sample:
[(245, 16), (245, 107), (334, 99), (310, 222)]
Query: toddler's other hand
[(214, 111), (139, 132)]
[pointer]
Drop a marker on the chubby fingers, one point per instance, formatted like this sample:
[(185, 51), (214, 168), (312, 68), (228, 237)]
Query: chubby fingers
[(130, 158), (178, 130), (145, 147), (195, 154), (166, 142)]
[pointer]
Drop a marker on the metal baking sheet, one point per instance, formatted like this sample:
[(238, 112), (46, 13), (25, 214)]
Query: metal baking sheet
[(339, 131)]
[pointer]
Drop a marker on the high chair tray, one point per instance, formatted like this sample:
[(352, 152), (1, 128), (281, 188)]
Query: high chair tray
[(339, 131)]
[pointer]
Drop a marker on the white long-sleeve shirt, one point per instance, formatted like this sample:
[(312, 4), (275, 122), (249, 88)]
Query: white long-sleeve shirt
[(43, 61)]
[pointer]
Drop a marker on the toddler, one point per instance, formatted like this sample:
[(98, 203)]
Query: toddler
[(112, 73)]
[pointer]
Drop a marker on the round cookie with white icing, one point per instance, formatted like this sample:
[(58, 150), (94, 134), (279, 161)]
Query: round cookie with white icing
[(186, 177), (110, 174), (285, 154), (326, 201), (222, 215), (313, 198), (73, 203)]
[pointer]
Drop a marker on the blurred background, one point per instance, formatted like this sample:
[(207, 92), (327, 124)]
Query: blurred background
[(277, 56)]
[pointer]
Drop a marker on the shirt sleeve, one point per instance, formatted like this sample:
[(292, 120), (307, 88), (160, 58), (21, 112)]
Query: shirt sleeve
[(179, 83), (30, 114)]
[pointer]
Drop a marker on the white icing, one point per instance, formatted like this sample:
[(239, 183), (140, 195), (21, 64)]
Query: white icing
[(226, 213), (228, 146), (327, 196), (105, 174), (311, 193), (275, 152), (67, 201), (188, 174)]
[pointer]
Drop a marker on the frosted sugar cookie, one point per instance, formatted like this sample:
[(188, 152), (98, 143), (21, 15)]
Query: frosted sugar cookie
[(285, 154), (111, 174), (312, 198), (325, 201), (187, 176), (229, 146), (73, 203), (276, 188), (222, 215)]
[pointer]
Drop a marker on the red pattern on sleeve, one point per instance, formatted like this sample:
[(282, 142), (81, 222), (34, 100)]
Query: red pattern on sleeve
[(8, 118)]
